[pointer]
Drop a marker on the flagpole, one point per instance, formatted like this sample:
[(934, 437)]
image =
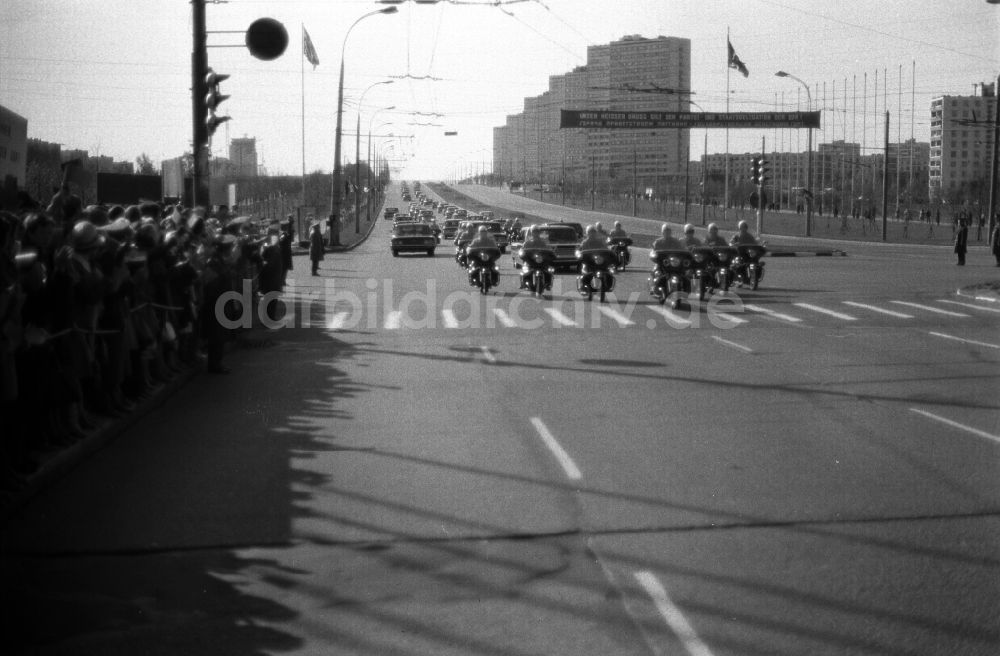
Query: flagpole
[(302, 66), (725, 192)]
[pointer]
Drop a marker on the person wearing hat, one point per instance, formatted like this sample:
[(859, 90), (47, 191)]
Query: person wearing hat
[(714, 238), (285, 242), (690, 241), (272, 272), (743, 235), (217, 280), (316, 248)]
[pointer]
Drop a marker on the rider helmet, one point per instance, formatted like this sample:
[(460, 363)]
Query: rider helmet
[(712, 228), (591, 231), (688, 228), (742, 225), (618, 225), (665, 230)]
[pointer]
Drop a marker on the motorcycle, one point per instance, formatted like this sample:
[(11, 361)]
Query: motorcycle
[(596, 273), (483, 269), (537, 269), (619, 246), (671, 275), (724, 255), (747, 267), (706, 267), (460, 255)]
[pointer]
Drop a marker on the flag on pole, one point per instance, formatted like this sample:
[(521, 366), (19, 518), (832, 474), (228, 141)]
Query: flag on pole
[(734, 61), (310, 52)]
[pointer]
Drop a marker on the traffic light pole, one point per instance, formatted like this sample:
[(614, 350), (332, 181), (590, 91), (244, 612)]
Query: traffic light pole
[(199, 108), (760, 192)]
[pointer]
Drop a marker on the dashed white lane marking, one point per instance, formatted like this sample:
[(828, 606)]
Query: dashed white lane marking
[(504, 318), (616, 315), (955, 424), (930, 309), (672, 615), (873, 308), (772, 313), (449, 319), (967, 341), (970, 305), (672, 318), (559, 317), (822, 310), (488, 354), (572, 471), (734, 345), (393, 320), (731, 318), (337, 321)]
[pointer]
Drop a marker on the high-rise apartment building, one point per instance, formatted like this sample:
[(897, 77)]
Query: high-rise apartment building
[(13, 146), (961, 145), (617, 76), (243, 157)]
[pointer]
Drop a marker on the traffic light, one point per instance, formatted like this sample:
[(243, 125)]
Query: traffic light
[(213, 99), (755, 166)]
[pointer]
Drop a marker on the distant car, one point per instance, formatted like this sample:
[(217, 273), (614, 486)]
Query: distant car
[(409, 237), (564, 239), (407, 198), (488, 215), (450, 228), (496, 229), (390, 212)]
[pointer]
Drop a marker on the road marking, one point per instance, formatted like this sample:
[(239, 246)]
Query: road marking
[(970, 305), (672, 614), (672, 318), (449, 319), (488, 354), (967, 341), (732, 344), (337, 321), (821, 310), (732, 318), (504, 318), (776, 315), (930, 309), (955, 424), (559, 317), (572, 471), (616, 315), (393, 320), (878, 309)]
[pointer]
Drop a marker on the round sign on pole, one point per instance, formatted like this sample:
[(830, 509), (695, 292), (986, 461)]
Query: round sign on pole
[(266, 39)]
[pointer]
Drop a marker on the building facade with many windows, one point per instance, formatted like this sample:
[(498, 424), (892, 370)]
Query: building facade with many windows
[(961, 146), (13, 146), (632, 74)]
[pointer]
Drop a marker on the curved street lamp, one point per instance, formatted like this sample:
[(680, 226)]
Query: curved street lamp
[(337, 182), (809, 157)]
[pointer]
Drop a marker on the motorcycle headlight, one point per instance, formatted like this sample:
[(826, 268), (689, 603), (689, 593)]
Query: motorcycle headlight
[(675, 261), (539, 258), (598, 260), (552, 269), (699, 257), (723, 256), (484, 256)]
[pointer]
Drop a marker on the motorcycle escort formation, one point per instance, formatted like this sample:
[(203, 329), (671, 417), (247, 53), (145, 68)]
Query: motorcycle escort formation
[(537, 269), (705, 270), (596, 272), (484, 272), (724, 255), (671, 276), (619, 246)]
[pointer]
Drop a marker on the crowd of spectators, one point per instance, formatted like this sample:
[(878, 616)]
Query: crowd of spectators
[(101, 306)]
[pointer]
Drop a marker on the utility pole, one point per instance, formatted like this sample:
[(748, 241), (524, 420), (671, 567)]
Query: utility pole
[(885, 182), (760, 191), (993, 162), (199, 108)]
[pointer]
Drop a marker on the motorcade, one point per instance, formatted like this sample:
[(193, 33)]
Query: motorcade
[(484, 272), (564, 240), (704, 271), (596, 272), (537, 268), (620, 247), (746, 266), (724, 255), (671, 276), (411, 237)]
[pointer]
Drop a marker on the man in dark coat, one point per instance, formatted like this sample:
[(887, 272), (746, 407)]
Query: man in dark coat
[(962, 241), (286, 241), (217, 280), (272, 272), (995, 239), (316, 248)]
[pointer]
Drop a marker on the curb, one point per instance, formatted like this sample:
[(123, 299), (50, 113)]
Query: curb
[(969, 292), (832, 253)]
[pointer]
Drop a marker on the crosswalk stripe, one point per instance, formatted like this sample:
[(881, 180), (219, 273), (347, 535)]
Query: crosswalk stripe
[(504, 318), (672, 318), (616, 315), (970, 305), (930, 309), (878, 309), (337, 321), (770, 312), (822, 310), (559, 317), (393, 320), (449, 319)]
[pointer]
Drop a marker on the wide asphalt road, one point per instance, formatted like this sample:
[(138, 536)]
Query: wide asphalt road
[(408, 467)]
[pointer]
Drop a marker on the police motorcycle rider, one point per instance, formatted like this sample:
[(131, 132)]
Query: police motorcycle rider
[(462, 240), (596, 260), (620, 241), (723, 253), (714, 238), (669, 274), (533, 241), (743, 235), (744, 264), (485, 243), (690, 241), (666, 242)]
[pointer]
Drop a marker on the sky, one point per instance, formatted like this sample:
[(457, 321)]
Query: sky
[(113, 76)]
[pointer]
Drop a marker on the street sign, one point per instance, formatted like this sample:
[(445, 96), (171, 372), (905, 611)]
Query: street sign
[(656, 120)]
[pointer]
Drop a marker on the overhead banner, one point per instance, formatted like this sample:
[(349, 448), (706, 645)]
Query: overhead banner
[(654, 120)]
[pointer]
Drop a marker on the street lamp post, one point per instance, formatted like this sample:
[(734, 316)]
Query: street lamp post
[(337, 175), (369, 159), (357, 160), (809, 156)]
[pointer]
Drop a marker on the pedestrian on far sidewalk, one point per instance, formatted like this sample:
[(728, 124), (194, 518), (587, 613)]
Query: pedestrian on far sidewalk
[(962, 241), (316, 248), (995, 241)]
